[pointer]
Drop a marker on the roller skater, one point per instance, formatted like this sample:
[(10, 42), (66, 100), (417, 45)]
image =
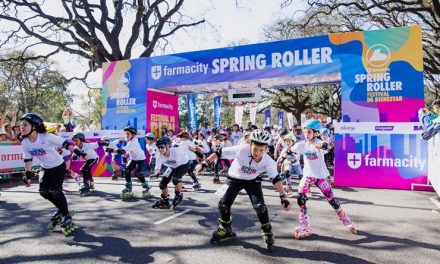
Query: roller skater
[(249, 161), (192, 152), (36, 143), (315, 172), (288, 162), (176, 161), (86, 151), (135, 165), (116, 158)]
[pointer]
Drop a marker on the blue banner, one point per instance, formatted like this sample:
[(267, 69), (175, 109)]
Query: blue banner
[(267, 121), (217, 110), (280, 119), (192, 113)]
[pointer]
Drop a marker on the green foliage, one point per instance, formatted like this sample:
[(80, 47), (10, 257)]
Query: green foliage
[(33, 86)]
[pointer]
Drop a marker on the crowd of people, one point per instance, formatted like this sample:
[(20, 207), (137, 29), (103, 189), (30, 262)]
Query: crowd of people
[(248, 156)]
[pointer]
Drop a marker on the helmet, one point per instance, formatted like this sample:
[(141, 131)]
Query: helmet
[(163, 141), (33, 119), (325, 131), (261, 136), (79, 136), (131, 129), (149, 135), (290, 137), (313, 124), (51, 130), (283, 131)]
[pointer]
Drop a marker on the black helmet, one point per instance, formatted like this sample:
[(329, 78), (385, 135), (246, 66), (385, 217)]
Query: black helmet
[(283, 131), (131, 129), (33, 119), (79, 136), (163, 141)]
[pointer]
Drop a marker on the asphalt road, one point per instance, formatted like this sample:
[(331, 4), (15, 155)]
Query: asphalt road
[(394, 227)]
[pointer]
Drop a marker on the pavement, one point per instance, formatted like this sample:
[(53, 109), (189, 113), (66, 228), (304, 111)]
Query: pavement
[(394, 227)]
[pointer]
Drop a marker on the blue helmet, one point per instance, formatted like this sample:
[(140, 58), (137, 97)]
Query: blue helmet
[(313, 124), (325, 131), (149, 135)]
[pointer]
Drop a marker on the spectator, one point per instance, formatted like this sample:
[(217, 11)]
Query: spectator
[(92, 126), (66, 115), (430, 120)]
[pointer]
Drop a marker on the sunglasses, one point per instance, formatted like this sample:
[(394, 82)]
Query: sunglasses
[(161, 146)]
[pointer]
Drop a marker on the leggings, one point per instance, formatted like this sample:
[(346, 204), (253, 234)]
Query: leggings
[(135, 165), (255, 193), (51, 187), (86, 171)]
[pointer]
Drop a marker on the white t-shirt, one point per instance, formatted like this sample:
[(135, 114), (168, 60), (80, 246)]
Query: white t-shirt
[(177, 157), (89, 149), (44, 149), (314, 163), (235, 137), (290, 158), (243, 167), (151, 148), (203, 145), (133, 148), (188, 143)]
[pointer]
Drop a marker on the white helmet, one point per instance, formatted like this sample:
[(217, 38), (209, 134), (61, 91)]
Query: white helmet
[(261, 136)]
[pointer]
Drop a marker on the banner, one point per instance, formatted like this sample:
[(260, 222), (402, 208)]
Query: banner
[(280, 119), (239, 114), (192, 112), (253, 113), (162, 111), (12, 157), (290, 120), (380, 155), (381, 75), (267, 117), (123, 94), (217, 110)]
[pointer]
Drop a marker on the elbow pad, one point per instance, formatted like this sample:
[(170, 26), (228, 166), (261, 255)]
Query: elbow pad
[(27, 160), (66, 144), (218, 153), (79, 153), (276, 179), (120, 151)]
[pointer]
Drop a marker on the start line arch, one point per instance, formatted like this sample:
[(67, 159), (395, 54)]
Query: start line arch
[(381, 76)]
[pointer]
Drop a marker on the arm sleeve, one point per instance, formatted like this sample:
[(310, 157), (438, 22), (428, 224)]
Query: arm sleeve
[(56, 140), (230, 152)]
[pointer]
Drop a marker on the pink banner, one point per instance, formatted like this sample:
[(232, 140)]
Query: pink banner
[(162, 111)]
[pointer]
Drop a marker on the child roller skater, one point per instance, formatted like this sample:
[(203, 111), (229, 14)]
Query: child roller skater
[(87, 152), (116, 158), (176, 161), (36, 143), (152, 150), (136, 163), (315, 172), (192, 152), (249, 162), (288, 163)]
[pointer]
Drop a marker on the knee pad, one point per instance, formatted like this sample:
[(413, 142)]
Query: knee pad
[(260, 208), (57, 194), (44, 193), (335, 203), (302, 198), (163, 184), (176, 181), (222, 208)]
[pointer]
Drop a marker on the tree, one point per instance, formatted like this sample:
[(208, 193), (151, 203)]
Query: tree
[(33, 86), (350, 15), (92, 29)]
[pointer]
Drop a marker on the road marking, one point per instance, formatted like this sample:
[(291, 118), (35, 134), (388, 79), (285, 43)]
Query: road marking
[(172, 217)]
